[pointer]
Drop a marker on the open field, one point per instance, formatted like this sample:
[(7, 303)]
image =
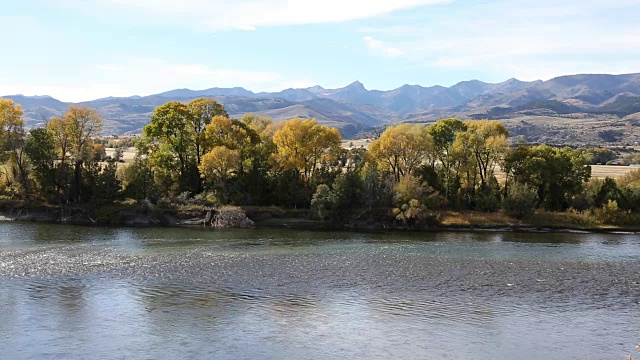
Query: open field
[(603, 171), (597, 172), (128, 155)]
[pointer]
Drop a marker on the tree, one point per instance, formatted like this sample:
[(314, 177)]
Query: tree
[(605, 191), (322, 202), (40, 148), (521, 201), (557, 174), (219, 164), (11, 138), (171, 132), (99, 152), (81, 124), (409, 200), (234, 135), (107, 185), (347, 195), (488, 142), (137, 179), (444, 133), (377, 187), (257, 123), (401, 149), (202, 112), (302, 145)]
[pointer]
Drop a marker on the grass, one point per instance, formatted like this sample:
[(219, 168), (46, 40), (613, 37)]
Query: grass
[(603, 171), (541, 219)]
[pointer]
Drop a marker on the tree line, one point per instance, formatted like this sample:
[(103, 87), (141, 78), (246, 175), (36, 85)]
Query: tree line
[(196, 152)]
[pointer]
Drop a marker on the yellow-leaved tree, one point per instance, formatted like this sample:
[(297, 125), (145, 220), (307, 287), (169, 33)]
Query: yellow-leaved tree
[(401, 149), (487, 140), (302, 145), (219, 164), (11, 138)]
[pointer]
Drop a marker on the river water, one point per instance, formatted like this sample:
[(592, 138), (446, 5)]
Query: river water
[(102, 293)]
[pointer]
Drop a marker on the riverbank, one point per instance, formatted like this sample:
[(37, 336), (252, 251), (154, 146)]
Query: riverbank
[(130, 214)]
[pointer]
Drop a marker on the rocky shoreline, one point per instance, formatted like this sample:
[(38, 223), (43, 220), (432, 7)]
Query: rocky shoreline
[(126, 216)]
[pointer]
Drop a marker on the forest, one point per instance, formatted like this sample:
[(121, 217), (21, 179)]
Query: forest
[(195, 153)]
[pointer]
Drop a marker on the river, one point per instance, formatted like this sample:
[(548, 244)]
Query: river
[(118, 293)]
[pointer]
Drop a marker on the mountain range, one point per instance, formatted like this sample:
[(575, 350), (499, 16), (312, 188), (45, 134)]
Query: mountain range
[(354, 109)]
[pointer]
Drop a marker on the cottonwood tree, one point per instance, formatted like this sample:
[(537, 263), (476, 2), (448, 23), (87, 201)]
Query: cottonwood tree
[(82, 124), (41, 150), (302, 145), (556, 174), (444, 132), (401, 149), (11, 143), (171, 137), (202, 112)]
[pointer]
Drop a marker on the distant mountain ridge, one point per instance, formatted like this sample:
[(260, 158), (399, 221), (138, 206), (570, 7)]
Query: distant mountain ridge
[(354, 108)]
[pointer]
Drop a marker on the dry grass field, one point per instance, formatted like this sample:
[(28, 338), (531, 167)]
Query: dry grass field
[(128, 155), (597, 172), (603, 171)]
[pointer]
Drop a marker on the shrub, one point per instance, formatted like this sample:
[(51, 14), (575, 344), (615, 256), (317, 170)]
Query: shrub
[(488, 197), (322, 202), (520, 201), (231, 217), (410, 213), (610, 213)]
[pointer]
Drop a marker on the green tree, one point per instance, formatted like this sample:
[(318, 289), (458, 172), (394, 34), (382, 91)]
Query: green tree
[(137, 179), (444, 133), (40, 148), (171, 136), (322, 202), (347, 195), (606, 190), (557, 174), (521, 201), (202, 112)]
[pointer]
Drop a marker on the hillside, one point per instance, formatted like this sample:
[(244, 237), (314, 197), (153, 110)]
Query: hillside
[(354, 108)]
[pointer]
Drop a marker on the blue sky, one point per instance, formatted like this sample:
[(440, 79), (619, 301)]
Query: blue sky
[(79, 50)]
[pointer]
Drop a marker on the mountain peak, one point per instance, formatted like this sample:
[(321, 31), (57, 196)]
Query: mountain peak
[(315, 89), (356, 85)]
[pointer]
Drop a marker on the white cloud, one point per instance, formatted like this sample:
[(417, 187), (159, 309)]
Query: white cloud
[(379, 47), (544, 70), (248, 15), (108, 67), (145, 76), (520, 38)]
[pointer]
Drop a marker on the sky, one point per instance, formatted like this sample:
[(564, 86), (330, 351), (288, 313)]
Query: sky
[(77, 50)]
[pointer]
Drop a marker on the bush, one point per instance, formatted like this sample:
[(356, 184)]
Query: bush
[(488, 197), (231, 217), (521, 201), (610, 213), (322, 203)]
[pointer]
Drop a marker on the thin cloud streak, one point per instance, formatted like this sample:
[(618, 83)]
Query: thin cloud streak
[(570, 35), (218, 15)]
